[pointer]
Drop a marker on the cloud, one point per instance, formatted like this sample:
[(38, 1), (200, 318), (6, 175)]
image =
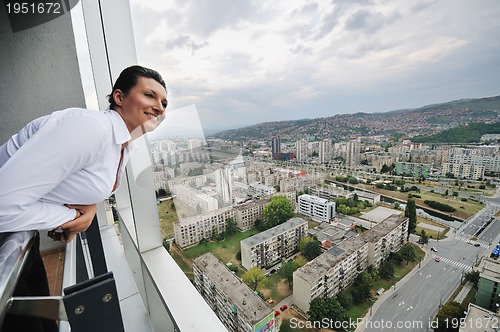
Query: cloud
[(245, 62)]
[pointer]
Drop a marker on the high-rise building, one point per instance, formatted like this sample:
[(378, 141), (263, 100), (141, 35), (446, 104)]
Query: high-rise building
[(325, 151), (224, 184), (276, 147), (301, 147), (353, 153)]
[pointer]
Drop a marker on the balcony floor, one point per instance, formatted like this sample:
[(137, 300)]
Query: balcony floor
[(53, 259)]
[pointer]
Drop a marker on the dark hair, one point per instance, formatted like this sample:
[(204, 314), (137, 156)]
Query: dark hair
[(128, 79)]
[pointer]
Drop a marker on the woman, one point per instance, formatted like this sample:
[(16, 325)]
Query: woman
[(54, 171)]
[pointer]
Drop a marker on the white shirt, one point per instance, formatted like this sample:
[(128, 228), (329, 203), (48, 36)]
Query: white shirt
[(67, 157)]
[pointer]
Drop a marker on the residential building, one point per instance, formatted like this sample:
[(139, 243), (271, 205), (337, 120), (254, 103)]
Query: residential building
[(258, 190), (488, 292), (353, 157), (247, 213), (325, 151), (318, 209), (224, 184), (386, 237), (413, 169), (237, 306), (330, 272), (271, 246), (190, 231), (329, 193), (463, 171), (302, 151)]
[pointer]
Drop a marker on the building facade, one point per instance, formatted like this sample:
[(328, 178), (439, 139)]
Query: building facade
[(237, 306), (271, 246), (488, 290), (330, 272), (318, 209), (386, 237), (413, 169), (190, 231)]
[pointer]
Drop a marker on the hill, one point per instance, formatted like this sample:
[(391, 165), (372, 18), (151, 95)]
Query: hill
[(463, 134), (427, 120)]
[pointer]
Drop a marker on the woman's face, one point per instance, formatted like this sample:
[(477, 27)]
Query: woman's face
[(143, 107)]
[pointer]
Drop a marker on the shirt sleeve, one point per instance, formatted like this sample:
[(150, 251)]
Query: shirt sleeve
[(60, 147)]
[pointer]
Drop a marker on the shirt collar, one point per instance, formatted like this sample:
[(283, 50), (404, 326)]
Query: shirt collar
[(120, 130)]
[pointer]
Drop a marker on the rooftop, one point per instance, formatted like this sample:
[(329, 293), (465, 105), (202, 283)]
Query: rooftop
[(320, 266), (479, 319), (314, 199), (382, 229), (246, 301), (490, 269)]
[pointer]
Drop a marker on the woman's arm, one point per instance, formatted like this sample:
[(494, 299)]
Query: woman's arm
[(62, 146)]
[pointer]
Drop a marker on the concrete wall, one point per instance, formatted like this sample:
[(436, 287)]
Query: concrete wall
[(39, 72)]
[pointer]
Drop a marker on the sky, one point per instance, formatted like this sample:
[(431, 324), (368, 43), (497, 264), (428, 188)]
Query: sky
[(247, 62)]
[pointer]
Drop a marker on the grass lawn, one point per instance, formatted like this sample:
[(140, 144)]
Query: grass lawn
[(463, 209), (432, 234), (225, 250), (168, 217)]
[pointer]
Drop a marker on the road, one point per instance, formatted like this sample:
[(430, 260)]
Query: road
[(412, 306), (415, 302)]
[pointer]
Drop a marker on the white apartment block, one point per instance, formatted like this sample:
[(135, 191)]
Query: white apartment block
[(353, 157), (224, 184), (271, 246), (190, 231), (248, 213), (325, 151), (258, 190), (237, 306), (463, 171), (302, 151), (195, 199), (386, 237), (330, 272), (316, 208)]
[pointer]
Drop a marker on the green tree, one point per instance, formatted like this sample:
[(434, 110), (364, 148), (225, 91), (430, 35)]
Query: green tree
[(254, 277), (386, 270), (424, 239), (473, 277), (449, 312), (287, 270), (278, 210), (231, 227), (411, 213), (330, 308), (408, 253), (361, 287), (345, 299), (310, 247)]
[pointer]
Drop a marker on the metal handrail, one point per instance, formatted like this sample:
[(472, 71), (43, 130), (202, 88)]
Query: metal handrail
[(14, 249)]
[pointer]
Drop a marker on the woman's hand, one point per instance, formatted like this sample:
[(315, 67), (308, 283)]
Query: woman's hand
[(82, 221)]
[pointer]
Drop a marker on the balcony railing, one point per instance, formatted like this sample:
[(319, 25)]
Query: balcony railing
[(97, 300)]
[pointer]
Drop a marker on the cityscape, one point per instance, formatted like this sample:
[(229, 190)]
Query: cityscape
[(282, 233)]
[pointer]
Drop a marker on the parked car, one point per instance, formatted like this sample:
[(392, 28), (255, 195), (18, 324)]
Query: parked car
[(283, 307), (276, 313)]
